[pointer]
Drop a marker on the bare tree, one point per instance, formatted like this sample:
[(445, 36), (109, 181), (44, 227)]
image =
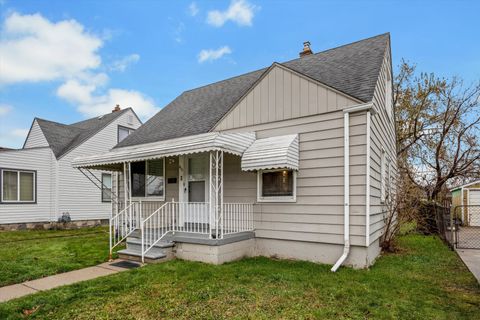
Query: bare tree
[(438, 129)]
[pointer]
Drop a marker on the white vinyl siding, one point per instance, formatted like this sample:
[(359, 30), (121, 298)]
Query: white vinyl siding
[(77, 195), (383, 137), (317, 214), (35, 137), (42, 161)]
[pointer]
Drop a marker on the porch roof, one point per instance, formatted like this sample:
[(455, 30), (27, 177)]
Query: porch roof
[(234, 143), (272, 153)]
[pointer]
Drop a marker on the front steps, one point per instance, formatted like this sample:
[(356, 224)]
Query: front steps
[(161, 252)]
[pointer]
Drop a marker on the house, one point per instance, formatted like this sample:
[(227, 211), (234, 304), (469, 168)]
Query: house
[(294, 160), (38, 184), (466, 203)]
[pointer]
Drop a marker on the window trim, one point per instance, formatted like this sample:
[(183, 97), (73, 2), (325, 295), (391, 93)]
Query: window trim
[(111, 184), (130, 131), (18, 188), (151, 198), (260, 198)]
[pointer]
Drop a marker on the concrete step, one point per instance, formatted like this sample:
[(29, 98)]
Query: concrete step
[(161, 247), (135, 255)]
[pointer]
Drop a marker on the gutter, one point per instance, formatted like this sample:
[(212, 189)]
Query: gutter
[(346, 175)]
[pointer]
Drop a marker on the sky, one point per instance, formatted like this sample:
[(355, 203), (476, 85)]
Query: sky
[(66, 61)]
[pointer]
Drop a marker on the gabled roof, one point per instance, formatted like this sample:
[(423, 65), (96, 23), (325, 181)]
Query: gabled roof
[(62, 137), (465, 185), (352, 69)]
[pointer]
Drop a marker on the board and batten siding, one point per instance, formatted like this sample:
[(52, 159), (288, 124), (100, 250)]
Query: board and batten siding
[(41, 160), (77, 195), (317, 214), (280, 95), (382, 136), (35, 138)]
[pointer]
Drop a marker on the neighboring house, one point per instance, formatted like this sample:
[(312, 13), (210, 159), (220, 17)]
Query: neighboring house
[(38, 183), (467, 198), (295, 161)]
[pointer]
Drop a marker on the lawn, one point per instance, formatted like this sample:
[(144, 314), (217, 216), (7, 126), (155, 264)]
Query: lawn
[(27, 255), (425, 280)]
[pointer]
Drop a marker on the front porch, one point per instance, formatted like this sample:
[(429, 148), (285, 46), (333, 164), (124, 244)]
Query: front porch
[(173, 192)]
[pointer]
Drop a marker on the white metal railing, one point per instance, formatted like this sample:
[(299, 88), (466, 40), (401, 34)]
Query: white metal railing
[(123, 224), (237, 217), (195, 217)]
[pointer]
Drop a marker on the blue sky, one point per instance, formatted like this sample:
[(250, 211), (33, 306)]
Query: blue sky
[(69, 60)]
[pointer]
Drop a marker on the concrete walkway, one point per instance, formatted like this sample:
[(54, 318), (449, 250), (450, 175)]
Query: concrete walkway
[(62, 279), (471, 257)]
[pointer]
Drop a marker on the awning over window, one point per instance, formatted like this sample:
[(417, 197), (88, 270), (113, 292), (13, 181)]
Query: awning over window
[(272, 153), (234, 143)]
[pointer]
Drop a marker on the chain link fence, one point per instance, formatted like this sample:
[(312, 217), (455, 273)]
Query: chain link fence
[(466, 226)]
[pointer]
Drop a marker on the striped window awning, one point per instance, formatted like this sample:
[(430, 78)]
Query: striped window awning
[(272, 153)]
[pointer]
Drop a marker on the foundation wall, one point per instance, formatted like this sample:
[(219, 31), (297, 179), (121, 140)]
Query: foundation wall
[(53, 225)]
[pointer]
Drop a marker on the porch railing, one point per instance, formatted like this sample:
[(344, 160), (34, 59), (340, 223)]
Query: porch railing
[(122, 224), (195, 217)]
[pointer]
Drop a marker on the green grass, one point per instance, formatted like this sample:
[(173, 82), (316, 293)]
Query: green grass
[(424, 281), (27, 255)]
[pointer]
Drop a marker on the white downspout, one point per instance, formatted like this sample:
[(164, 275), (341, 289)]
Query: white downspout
[(346, 191), (346, 176)]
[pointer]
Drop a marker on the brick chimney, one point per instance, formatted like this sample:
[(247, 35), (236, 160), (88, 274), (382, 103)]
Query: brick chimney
[(117, 108), (306, 49)]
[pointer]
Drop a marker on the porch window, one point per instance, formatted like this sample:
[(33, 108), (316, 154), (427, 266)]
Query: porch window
[(106, 187), (148, 178), (18, 186), (124, 132), (277, 185)]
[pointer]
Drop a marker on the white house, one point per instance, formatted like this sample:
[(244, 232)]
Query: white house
[(295, 160), (38, 184)]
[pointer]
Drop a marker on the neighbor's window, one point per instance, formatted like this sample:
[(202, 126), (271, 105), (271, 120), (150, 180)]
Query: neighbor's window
[(148, 178), (276, 185), (124, 132), (18, 186), (106, 187)]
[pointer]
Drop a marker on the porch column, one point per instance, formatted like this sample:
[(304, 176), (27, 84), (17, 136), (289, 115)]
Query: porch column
[(216, 193)]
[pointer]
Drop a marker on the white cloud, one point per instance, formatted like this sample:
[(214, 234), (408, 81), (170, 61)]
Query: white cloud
[(122, 64), (12, 138), (211, 55), (92, 101), (35, 49), (239, 11), (193, 9), (5, 109)]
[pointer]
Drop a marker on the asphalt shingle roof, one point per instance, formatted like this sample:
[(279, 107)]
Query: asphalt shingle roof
[(63, 138), (352, 69)]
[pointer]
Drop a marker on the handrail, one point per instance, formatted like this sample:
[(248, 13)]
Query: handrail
[(119, 229), (161, 227)]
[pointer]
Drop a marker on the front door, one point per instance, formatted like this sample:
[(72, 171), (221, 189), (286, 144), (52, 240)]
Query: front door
[(197, 189)]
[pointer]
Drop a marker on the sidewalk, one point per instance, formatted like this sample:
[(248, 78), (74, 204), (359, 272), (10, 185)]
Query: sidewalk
[(62, 279), (471, 257)]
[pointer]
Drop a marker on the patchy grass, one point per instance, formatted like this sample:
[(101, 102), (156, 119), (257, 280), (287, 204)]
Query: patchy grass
[(424, 281), (27, 255)]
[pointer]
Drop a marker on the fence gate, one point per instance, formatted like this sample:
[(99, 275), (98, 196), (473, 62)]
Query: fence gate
[(466, 222)]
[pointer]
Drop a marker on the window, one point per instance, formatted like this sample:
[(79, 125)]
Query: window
[(124, 132), (277, 185), (148, 178), (388, 96), (106, 187), (18, 186)]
